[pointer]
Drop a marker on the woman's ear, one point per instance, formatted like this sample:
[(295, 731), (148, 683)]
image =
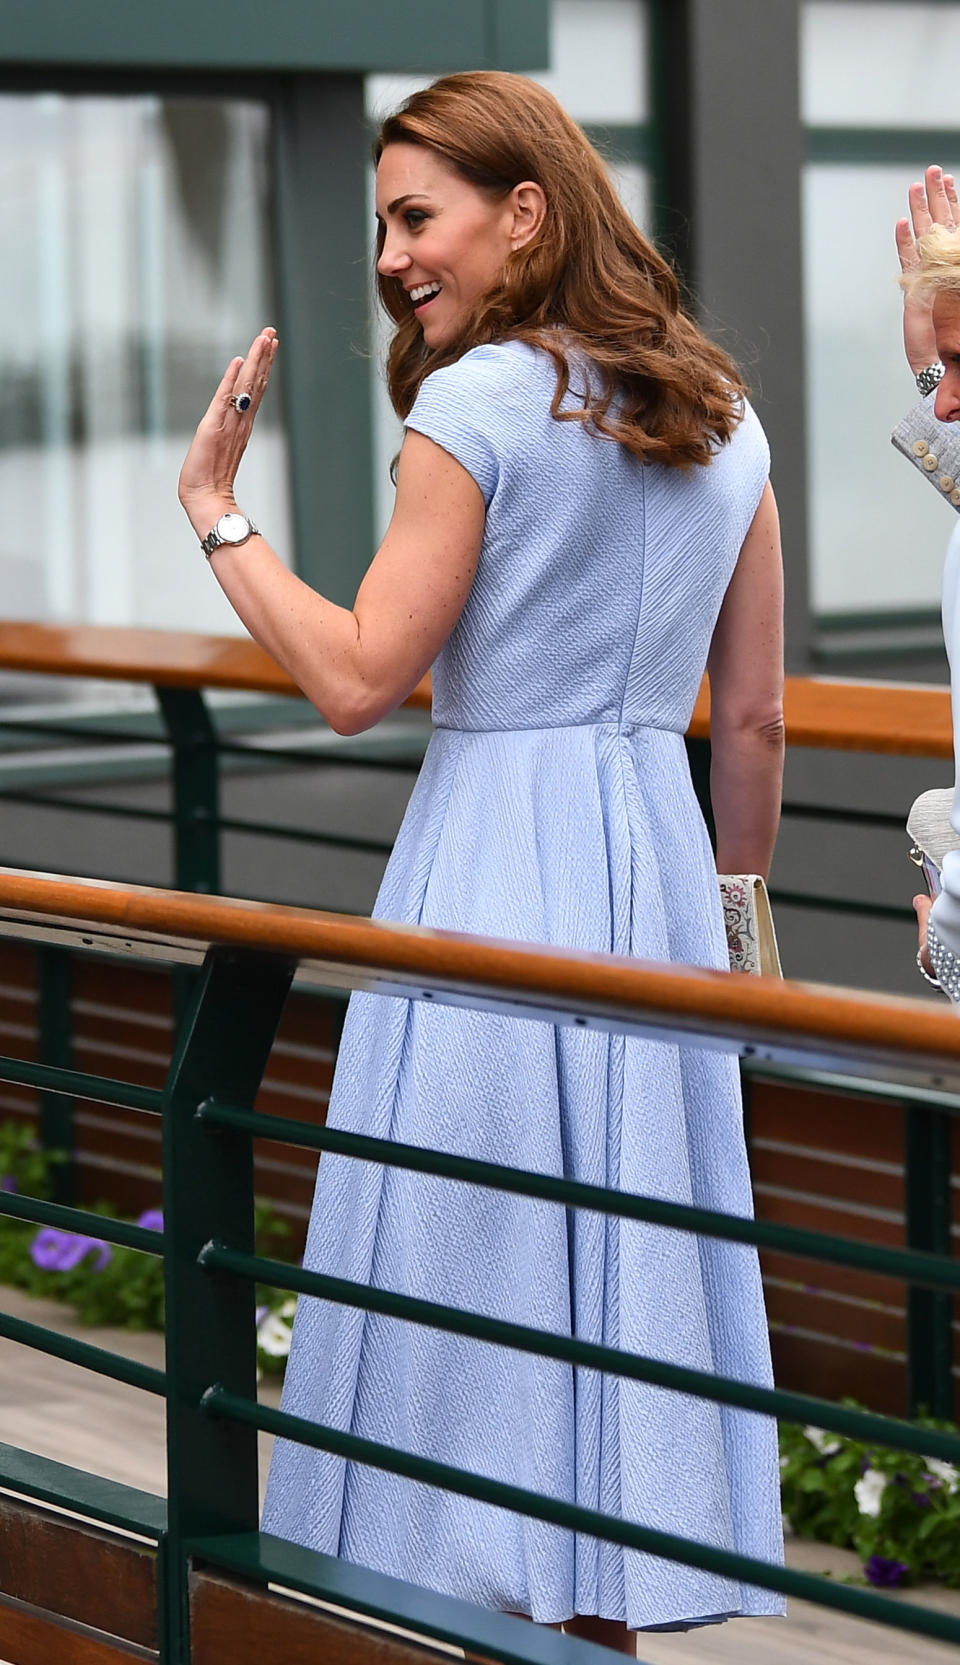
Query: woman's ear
[(529, 210)]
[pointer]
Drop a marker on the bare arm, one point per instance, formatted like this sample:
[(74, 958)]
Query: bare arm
[(355, 664), (746, 701)]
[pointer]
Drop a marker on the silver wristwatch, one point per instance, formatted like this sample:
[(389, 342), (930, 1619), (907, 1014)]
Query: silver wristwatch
[(232, 529), (928, 378)]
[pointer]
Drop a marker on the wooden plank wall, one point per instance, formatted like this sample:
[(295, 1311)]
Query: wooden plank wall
[(123, 1028), (828, 1161)]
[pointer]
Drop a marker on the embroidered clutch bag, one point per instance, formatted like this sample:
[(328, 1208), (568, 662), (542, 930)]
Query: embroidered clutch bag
[(751, 937)]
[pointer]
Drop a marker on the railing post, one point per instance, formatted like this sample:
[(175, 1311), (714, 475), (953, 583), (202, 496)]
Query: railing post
[(927, 1164), (196, 794), (55, 1046), (221, 1053)]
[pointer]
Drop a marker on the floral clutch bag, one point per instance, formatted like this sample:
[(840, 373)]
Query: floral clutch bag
[(751, 937)]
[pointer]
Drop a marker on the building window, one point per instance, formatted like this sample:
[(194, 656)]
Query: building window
[(137, 262), (878, 88)]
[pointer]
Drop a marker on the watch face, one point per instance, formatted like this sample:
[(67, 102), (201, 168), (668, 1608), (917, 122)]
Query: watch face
[(233, 528)]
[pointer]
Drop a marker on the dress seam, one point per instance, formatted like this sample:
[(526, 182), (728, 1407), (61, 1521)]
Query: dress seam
[(636, 630)]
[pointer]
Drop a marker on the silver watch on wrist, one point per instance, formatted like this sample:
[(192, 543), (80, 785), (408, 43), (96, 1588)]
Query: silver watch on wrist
[(230, 529), (928, 378)]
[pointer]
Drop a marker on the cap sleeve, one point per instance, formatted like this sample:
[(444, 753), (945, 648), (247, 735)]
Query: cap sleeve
[(456, 407)]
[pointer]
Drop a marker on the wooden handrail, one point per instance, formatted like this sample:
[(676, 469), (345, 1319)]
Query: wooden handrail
[(164, 658), (880, 1032), (895, 719), (901, 719)]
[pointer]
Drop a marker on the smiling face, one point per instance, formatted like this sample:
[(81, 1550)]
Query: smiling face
[(445, 241), (946, 324)]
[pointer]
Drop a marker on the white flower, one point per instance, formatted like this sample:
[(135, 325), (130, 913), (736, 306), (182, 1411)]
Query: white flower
[(273, 1336), (822, 1441), (869, 1490), (943, 1471)]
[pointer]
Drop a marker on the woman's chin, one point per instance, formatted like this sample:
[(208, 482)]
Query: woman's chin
[(439, 332)]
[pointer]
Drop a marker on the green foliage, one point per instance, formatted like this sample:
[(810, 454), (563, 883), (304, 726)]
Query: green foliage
[(23, 1163), (128, 1290), (900, 1512)]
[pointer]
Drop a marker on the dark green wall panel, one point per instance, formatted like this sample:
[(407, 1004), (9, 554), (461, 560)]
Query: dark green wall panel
[(426, 35)]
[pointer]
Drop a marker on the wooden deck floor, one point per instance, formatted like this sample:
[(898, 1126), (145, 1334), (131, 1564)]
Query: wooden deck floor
[(64, 1412)]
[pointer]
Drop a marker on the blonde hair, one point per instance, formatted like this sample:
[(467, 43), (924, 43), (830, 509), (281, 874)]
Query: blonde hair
[(939, 270), (665, 392)]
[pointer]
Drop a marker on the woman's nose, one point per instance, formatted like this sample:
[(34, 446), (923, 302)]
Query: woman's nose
[(946, 406), (393, 258)]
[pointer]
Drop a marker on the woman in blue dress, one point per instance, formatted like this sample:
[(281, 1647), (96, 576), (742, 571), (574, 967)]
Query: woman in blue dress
[(583, 525)]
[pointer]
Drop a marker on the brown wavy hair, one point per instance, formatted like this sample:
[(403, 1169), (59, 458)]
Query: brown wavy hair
[(664, 391)]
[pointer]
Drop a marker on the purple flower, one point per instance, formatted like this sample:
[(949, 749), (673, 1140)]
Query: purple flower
[(61, 1251), (8, 1183), (884, 1573), (151, 1219)]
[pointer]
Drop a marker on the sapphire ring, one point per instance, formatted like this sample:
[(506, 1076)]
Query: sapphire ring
[(242, 401)]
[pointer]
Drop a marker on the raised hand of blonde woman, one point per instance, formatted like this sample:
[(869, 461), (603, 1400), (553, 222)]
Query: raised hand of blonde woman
[(934, 202), (210, 466), (921, 907)]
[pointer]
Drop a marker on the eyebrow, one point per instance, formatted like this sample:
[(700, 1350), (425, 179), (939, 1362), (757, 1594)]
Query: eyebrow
[(398, 202)]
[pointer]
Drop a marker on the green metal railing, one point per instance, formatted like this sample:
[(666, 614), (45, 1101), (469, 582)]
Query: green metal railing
[(211, 1269), (199, 747)]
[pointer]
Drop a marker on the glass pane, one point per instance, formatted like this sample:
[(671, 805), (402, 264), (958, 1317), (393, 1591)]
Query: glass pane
[(879, 65), (598, 63), (598, 58), (877, 532), (136, 264)]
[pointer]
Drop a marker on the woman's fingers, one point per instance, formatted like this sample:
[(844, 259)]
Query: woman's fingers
[(222, 395), (937, 200), (950, 186), (254, 371), (919, 209), (906, 246)]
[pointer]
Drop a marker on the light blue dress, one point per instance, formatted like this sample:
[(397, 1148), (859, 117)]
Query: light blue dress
[(554, 806)]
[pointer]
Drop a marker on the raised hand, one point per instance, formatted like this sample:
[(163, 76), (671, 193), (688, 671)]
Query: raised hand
[(210, 466), (934, 202)]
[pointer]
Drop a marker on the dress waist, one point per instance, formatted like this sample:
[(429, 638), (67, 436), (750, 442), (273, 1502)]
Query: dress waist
[(623, 726)]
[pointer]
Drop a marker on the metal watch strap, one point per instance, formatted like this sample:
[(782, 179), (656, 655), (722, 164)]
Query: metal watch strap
[(928, 378), (214, 541)]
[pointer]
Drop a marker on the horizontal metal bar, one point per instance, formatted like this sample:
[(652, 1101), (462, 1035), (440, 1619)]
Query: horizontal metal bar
[(305, 835), (479, 1630), (86, 806), (839, 904), (898, 1093), (263, 829), (88, 1494), (39, 1212), (348, 760), (18, 1072), (67, 1347), (802, 1408), (917, 1266), (858, 817), (724, 1563), (82, 736)]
